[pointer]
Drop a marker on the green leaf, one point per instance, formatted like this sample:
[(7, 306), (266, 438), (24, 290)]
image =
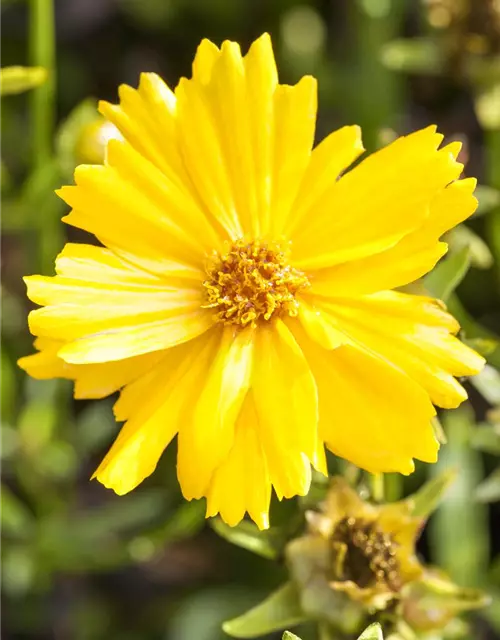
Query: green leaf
[(473, 330), (20, 79), (185, 522), (428, 497), (462, 237), (373, 632), (484, 346), (488, 197), (487, 382), (288, 635), (458, 531), (95, 426), (248, 536), (486, 438), (448, 274), (489, 489), (281, 609), (15, 518)]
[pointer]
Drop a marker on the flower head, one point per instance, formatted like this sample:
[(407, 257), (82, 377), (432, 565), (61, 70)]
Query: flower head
[(371, 547), (242, 299)]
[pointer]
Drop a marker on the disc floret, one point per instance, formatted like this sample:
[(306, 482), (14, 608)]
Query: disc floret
[(252, 281)]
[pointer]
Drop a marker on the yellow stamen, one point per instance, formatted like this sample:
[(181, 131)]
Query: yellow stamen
[(252, 281)]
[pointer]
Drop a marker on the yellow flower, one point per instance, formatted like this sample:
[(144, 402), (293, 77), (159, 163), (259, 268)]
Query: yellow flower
[(370, 549), (242, 299)]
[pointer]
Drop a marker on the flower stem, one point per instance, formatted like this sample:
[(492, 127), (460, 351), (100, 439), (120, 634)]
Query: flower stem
[(42, 52), (377, 486)]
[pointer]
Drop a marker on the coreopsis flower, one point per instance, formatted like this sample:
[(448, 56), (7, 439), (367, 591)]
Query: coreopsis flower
[(356, 561), (368, 550), (243, 300)]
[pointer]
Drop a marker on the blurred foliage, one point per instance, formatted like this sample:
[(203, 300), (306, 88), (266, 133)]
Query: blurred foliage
[(80, 563)]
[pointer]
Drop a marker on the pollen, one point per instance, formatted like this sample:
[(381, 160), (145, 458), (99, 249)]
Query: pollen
[(365, 555), (251, 282)]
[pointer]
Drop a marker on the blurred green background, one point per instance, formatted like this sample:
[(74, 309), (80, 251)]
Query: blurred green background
[(80, 563)]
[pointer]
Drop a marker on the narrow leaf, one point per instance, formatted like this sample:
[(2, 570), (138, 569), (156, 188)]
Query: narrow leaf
[(462, 237), (449, 273), (489, 489), (488, 197), (281, 609), (373, 632), (428, 497), (248, 536), (487, 382), (20, 79)]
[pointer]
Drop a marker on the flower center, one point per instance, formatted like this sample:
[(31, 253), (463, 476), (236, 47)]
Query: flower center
[(252, 281), (365, 555)]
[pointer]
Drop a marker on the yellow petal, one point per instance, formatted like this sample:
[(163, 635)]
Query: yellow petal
[(206, 437), (328, 160), (204, 156), (91, 381), (96, 264), (228, 101), (415, 334), (133, 340), (146, 119), (118, 212), (377, 203), (45, 364), (156, 419), (242, 483), (319, 326), (286, 402), (294, 126), (204, 60), (102, 312), (411, 258), (262, 80), (370, 412)]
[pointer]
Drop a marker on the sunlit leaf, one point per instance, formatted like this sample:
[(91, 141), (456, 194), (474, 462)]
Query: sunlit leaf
[(488, 197), (247, 535), (486, 438), (487, 382), (185, 522), (485, 346), (19, 79), (458, 530), (288, 635), (373, 632), (473, 330), (428, 497), (281, 609), (448, 274), (462, 237), (489, 489)]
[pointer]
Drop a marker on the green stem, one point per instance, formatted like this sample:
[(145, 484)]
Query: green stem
[(42, 52), (325, 632), (377, 486)]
